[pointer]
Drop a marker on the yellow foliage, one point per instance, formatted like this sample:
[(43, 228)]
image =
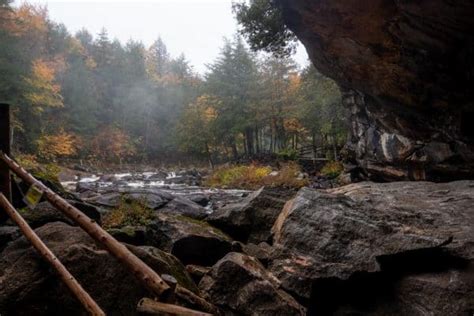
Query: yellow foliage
[(58, 145), (254, 176), (44, 92), (332, 169)]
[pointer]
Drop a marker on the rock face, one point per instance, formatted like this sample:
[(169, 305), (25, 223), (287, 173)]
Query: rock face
[(241, 286), (29, 287), (190, 240), (407, 68), (401, 242), (250, 220)]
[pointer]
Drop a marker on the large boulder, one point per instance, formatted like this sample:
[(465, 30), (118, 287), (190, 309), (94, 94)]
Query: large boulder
[(45, 213), (29, 287), (406, 67), (240, 285), (251, 219), (402, 238), (8, 234), (190, 240)]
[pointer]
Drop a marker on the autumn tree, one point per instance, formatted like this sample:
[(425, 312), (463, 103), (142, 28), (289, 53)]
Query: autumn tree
[(112, 144), (60, 145)]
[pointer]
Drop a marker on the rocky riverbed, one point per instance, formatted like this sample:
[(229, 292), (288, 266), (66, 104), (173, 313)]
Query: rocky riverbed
[(402, 248)]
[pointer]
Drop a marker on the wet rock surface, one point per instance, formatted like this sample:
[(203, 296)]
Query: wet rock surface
[(29, 287), (251, 219), (407, 72), (190, 240), (402, 248), (240, 285), (383, 238)]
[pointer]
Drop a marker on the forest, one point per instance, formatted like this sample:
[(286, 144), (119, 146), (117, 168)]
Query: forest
[(90, 97)]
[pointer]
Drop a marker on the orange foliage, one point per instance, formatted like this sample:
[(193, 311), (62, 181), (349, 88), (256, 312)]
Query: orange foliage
[(8, 21), (61, 144), (32, 20), (111, 143)]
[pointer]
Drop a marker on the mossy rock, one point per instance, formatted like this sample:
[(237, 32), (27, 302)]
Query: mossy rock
[(165, 263)]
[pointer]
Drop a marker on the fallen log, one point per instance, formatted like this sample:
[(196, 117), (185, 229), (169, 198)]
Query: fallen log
[(89, 304), (149, 306), (149, 278)]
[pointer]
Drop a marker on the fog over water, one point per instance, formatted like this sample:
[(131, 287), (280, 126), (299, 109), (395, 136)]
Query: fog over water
[(193, 27)]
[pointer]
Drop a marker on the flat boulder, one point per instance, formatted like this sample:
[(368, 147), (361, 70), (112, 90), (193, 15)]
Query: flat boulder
[(376, 231), (185, 207), (251, 219), (190, 240), (29, 287), (152, 199), (240, 285), (158, 200)]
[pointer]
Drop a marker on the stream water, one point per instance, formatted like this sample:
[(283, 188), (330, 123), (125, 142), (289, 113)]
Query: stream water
[(182, 183)]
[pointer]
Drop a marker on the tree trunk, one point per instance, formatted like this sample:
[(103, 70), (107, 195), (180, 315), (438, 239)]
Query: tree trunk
[(257, 140), (235, 152), (209, 156), (334, 147), (5, 142), (249, 141)]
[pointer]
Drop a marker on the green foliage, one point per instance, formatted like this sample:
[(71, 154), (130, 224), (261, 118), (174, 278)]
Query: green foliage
[(287, 154), (128, 213), (48, 173), (262, 24), (332, 169)]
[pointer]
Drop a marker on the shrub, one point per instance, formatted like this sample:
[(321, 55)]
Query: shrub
[(288, 177), (332, 169), (254, 176), (57, 145), (128, 213), (238, 176)]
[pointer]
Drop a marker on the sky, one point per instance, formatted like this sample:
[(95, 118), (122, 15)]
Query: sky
[(193, 27)]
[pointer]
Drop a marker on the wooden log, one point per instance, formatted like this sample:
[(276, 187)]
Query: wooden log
[(149, 278), (172, 283), (89, 304), (5, 132), (190, 297), (149, 306)]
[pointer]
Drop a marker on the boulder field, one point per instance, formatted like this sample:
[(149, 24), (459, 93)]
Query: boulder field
[(401, 248)]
